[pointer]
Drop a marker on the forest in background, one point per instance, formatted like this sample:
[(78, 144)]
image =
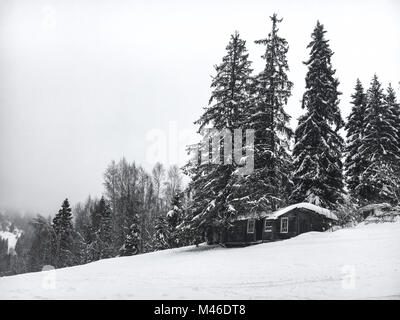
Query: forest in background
[(129, 218)]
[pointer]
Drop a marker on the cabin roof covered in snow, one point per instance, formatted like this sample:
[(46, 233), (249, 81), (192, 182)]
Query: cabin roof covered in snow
[(304, 205)]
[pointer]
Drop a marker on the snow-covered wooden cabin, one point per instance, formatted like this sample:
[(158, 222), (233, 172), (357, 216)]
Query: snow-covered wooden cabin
[(282, 224)]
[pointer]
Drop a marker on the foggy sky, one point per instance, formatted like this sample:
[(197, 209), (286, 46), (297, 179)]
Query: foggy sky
[(85, 82)]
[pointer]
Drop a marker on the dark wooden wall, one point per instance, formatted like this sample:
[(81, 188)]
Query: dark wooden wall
[(300, 221), (238, 232)]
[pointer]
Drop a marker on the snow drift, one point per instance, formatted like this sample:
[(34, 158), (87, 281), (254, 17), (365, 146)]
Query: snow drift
[(357, 263)]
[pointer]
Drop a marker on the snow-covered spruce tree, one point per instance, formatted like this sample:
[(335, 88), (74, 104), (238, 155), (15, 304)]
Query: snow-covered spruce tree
[(394, 106), (318, 176), (174, 219), (63, 233), (160, 241), (83, 215), (268, 185), (95, 215), (4, 256), (131, 245), (103, 235), (379, 181), (228, 101), (391, 103), (231, 84), (168, 233), (106, 232), (354, 163)]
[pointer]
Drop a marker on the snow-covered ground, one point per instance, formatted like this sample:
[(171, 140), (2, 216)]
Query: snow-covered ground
[(12, 238), (358, 263)]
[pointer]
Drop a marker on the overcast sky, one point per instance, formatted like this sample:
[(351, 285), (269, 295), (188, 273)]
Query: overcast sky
[(84, 82)]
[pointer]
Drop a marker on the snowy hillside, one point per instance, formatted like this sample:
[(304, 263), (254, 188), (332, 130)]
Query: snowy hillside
[(363, 262)]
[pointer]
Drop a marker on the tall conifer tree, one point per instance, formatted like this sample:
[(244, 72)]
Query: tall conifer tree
[(379, 181), (355, 164), (101, 246), (391, 103), (133, 238), (394, 106), (229, 100), (63, 232), (266, 187), (318, 175)]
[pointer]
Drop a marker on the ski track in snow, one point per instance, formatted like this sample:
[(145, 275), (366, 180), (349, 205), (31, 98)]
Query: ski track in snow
[(357, 263)]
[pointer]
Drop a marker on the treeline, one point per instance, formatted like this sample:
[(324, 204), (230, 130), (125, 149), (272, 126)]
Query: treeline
[(11, 225), (5, 256), (139, 212)]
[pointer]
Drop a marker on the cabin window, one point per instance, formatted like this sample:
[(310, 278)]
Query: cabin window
[(284, 225), (368, 213), (251, 226), (268, 226)]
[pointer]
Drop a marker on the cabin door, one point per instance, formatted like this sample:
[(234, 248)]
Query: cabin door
[(304, 224), (259, 229)]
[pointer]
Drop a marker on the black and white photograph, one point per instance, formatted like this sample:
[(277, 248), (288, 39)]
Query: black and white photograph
[(184, 150)]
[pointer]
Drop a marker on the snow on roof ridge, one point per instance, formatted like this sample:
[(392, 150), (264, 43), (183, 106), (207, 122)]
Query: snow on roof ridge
[(303, 205), (276, 214)]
